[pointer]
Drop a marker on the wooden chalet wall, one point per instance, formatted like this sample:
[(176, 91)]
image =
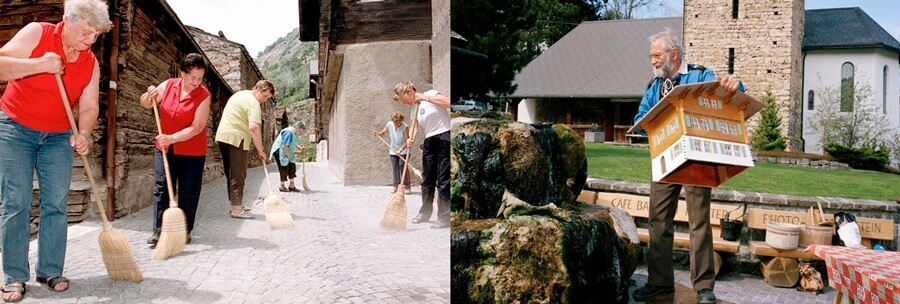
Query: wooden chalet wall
[(151, 43)]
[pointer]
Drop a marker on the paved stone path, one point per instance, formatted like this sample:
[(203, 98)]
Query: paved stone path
[(336, 254), (741, 289)]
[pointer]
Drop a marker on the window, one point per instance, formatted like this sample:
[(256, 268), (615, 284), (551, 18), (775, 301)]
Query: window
[(732, 128), (847, 87), (728, 150), (731, 55), (707, 147), (884, 88), (811, 100), (695, 145), (704, 125), (734, 9)]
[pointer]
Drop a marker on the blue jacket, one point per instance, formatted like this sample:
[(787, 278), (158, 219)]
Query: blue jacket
[(285, 138), (695, 73)]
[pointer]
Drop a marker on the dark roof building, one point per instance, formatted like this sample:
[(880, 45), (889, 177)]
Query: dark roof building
[(844, 28), (597, 59)]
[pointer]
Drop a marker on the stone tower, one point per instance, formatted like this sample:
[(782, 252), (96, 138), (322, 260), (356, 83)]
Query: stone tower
[(758, 41)]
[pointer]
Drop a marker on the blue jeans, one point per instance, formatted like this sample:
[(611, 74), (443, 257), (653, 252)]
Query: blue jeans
[(22, 151)]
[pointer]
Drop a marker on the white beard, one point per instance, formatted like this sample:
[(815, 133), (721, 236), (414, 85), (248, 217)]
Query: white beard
[(664, 71)]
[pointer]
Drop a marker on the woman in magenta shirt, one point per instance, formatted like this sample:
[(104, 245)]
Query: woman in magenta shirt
[(35, 136), (183, 112)]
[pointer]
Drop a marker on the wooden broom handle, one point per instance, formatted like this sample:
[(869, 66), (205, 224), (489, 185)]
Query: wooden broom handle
[(84, 160), (172, 202), (415, 126), (268, 182)]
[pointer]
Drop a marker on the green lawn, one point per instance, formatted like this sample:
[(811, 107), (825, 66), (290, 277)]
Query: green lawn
[(633, 165)]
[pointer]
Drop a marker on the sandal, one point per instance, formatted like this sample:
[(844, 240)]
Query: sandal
[(52, 282), (243, 215), (18, 287), (282, 189), (293, 189)]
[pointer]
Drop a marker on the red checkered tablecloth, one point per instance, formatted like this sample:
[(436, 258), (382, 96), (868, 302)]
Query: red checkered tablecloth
[(868, 276)]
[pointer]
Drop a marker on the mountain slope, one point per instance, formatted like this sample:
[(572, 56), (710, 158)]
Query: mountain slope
[(286, 63)]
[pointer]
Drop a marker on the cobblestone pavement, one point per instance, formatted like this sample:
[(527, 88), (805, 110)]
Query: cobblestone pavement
[(743, 289), (336, 254)]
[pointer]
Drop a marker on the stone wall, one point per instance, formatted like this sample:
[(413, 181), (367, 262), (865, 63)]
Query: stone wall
[(766, 37), (440, 45), (802, 162)]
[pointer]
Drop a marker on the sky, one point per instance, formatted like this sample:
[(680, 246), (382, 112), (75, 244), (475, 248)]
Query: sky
[(255, 24), (882, 11)]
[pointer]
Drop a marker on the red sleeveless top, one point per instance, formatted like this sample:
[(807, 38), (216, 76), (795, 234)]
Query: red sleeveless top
[(176, 114), (34, 101)]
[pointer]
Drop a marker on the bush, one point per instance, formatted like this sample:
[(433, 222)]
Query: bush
[(863, 158)]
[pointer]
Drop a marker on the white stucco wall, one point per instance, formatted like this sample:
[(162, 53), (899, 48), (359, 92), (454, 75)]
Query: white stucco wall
[(527, 110), (363, 103), (822, 69)]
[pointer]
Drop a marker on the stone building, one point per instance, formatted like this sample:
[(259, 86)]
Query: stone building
[(760, 42), (146, 43), (233, 61), (365, 48)]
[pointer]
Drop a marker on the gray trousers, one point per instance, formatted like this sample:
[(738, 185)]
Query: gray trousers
[(663, 203)]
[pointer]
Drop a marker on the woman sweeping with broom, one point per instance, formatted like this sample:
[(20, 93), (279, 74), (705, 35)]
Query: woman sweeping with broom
[(183, 111), (35, 136)]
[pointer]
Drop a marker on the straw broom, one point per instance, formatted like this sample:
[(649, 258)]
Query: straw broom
[(414, 170), (173, 234), (117, 257), (277, 214), (394, 217), (303, 173)]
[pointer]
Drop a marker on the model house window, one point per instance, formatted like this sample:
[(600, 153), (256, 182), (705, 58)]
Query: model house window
[(884, 88), (811, 100), (707, 147), (704, 125), (847, 87)]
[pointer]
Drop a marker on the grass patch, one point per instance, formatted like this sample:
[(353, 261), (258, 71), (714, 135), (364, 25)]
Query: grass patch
[(633, 165)]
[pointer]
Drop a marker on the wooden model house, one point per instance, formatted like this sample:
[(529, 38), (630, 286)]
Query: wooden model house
[(697, 134)]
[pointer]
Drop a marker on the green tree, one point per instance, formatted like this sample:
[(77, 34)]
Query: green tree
[(767, 136)]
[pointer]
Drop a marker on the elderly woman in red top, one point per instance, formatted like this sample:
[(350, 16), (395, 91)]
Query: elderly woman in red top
[(183, 111), (35, 135)]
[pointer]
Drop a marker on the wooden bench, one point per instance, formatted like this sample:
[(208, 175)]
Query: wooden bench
[(781, 270), (639, 207), (869, 228)]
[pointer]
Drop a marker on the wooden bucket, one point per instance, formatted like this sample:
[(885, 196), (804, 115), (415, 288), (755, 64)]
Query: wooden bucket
[(815, 235), (782, 235)]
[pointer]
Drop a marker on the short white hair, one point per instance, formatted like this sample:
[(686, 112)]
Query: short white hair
[(95, 12), (669, 41)]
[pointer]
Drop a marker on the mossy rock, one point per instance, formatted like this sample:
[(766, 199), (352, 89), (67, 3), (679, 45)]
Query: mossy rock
[(565, 257), (539, 164)]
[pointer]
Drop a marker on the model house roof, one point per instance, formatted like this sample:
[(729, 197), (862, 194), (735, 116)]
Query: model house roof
[(844, 28), (597, 59), (743, 101)]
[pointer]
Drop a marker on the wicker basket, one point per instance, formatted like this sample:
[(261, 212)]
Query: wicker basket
[(782, 235), (815, 235)]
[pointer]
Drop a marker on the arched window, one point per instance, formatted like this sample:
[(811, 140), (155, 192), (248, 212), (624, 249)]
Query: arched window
[(884, 88), (847, 87), (811, 100)]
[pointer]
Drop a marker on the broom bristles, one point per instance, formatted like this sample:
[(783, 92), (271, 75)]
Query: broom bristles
[(117, 257), (394, 217), (277, 214), (303, 178), (172, 236)]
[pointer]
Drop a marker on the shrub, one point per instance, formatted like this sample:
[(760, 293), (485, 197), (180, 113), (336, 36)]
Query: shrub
[(864, 158), (767, 136)]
